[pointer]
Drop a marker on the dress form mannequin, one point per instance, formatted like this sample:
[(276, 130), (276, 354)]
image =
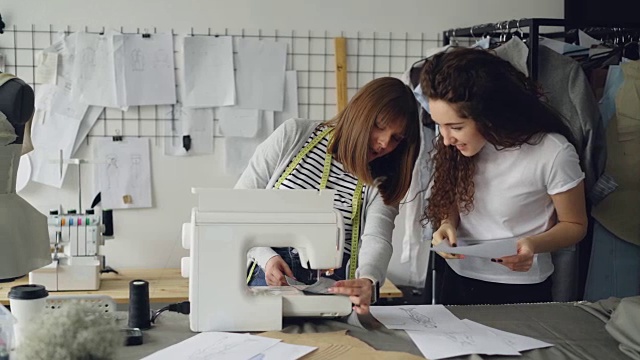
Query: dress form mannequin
[(24, 238)]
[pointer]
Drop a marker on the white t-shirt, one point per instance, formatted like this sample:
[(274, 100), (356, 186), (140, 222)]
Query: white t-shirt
[(512, 200)]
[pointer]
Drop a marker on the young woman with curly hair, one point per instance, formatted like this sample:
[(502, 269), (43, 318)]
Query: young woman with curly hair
[(504, 168)]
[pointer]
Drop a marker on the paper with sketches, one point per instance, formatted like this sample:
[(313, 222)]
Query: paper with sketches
[(284, 351), (95, 72), (216, 345), (209, 79), (47, 68), (239, 150), (457, 339), (149, 70), (90, 118), (485, 249), (197, 123), (65, 47), (51, 134), (123, 172), (290, 109), (518, 342), (44, 95), (239, 122), (64, 104), (260, 74), (413, 317)]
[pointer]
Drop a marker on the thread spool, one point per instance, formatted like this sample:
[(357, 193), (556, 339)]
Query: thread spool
[(139, 308), (107, 220)]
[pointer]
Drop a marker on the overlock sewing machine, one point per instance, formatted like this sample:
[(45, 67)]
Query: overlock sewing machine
[(226, 225)]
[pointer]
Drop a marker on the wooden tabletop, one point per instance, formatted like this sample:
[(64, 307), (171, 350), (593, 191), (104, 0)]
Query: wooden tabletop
[(165, 286)]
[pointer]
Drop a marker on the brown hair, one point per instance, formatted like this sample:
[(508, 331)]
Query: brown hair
[(381, 101), (506, 106)]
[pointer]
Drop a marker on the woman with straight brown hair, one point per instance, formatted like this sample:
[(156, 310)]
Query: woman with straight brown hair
[(366, 154)]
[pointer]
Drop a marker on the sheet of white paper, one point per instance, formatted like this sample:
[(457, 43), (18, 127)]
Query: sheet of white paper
[(209, 79), (65, 47), (44, 95), (260, 74), (488, 249), (458, 339), (47, 68), (123, 172), (239, 122), (290, 109), (63, 103), (518, 342), (89, 119), (216, 345), (413, 317), (51, 133), (239, 150), (95, 72), (149, 70), (195, 122), (587, 41), (284, 351), (2, 62), (562, 47)]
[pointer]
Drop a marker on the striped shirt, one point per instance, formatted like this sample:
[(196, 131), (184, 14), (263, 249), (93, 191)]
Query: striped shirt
[(308, 174)]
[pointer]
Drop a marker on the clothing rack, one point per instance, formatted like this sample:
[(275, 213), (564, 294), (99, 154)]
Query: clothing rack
[(505, 28), (533, 25)]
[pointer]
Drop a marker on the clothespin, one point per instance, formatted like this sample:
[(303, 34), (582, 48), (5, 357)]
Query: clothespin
[(186, 142), (145, 34), (117, 136)]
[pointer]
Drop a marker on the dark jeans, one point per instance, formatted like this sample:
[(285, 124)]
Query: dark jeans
[(291, 257), (461, 290)]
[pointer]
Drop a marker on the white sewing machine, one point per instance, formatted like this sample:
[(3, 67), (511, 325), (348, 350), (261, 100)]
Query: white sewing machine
[(226, 225), (75, 240)]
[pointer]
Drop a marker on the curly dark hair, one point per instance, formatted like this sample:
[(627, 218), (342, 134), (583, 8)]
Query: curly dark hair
[(507, 107)]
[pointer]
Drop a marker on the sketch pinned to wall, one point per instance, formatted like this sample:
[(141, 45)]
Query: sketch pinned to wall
[(51, 133), (208, 72), (95, 74), (123, 173), (290, 108), (260, 74), (148, 69), (88, 121), (47, 68), (239, 122), (239, 150), (196, 123)]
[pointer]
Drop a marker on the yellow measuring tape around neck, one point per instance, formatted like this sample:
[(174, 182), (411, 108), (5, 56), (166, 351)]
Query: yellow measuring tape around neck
[(356, 200)]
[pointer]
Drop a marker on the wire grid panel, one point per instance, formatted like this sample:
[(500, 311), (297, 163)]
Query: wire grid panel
[(310, 53)]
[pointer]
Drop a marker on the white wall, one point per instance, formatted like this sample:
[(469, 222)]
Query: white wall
[(150, 238)]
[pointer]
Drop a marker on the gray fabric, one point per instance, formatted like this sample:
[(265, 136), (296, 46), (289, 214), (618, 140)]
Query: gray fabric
[(575, 333), (624, 326), (622, 318), (568, 91), (377, 221)]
